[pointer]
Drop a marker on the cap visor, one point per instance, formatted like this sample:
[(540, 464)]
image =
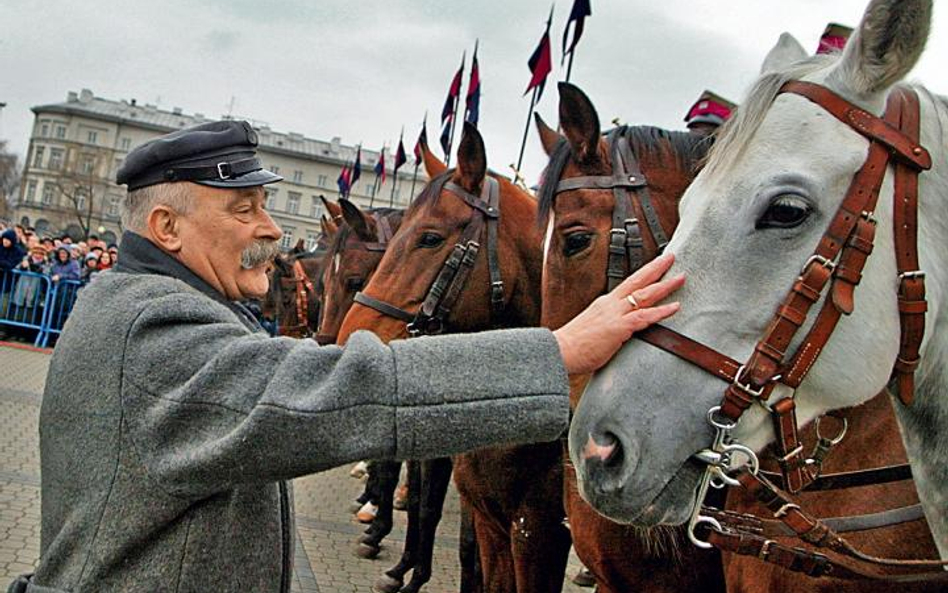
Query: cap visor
[(254, 178)]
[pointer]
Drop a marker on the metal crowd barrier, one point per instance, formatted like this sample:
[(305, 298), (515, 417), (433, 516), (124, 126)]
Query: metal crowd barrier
[(33, 301)]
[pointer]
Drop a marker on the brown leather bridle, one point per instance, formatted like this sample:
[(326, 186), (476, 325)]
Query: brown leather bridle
[(835, 268), (304, 287), (432, 317)]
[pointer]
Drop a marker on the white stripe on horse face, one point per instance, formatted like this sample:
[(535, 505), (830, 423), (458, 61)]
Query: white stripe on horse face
[(335, 262), (548, 237)]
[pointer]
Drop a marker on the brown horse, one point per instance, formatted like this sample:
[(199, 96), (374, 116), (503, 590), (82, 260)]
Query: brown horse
[(295, 280), (515, 493), (579, 220)]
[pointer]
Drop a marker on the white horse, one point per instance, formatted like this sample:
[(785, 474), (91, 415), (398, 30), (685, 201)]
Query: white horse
[(749, 221)]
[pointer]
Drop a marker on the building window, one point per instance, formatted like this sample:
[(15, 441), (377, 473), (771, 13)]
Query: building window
[(293, 202), (86, 164), (316, 207), (287, 241), (93, 136), (274, 169), (44, 129), (126, 143), (38, 156), (370, 190), (271, 199), (311, 239), (48, 195), (31, 190), (321, 181), (114, 205), (80, 199), (60, 131), (297, 177), (55, 158)]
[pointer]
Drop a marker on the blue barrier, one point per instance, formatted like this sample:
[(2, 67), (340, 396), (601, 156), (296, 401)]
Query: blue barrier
[(33, 301), (62, 300), (24, 301)]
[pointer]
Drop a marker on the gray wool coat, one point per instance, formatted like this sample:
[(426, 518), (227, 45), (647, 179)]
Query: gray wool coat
[(169, 427)]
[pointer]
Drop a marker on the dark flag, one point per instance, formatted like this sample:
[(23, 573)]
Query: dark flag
[(541, 62), (450, 106), (472, 103), (422, 140), (356, 168), (343, 181), (581, 9), (380, 166), (400, 158)]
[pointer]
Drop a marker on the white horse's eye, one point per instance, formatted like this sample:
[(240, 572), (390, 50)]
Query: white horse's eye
[(787, 211)]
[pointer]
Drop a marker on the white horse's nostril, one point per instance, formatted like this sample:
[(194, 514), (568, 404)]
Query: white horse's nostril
[(603, 452)]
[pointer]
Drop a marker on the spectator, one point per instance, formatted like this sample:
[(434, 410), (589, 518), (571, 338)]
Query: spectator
[(64, 267), (28, 293), (113, 251), (105, 261), (11, 254), (91, 267)]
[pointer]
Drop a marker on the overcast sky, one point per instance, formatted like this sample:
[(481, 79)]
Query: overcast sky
[(363, 69)]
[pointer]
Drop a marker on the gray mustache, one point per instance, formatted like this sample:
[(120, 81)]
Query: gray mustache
[(259, 253)]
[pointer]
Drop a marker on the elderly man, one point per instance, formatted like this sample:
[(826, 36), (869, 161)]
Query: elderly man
[(165, 460)]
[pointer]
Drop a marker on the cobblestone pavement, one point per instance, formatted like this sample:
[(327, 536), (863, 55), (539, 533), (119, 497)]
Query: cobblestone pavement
[(326, 532)]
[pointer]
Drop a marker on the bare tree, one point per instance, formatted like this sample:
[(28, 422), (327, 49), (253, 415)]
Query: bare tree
[(9, 178), (77, 184)]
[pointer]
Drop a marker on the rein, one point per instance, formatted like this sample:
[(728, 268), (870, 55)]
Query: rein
[(431, 318), (304, 286), (835, 268)]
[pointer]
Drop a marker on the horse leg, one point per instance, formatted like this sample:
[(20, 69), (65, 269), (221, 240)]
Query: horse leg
[(539, 542), (436, 476), (391, 581), (493, 546), (386, 480), (471, 577)]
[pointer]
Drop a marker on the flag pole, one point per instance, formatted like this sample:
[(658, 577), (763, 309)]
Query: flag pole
[(526, 129), (414, 177), (391, 199), (454, 115), (569, 64)]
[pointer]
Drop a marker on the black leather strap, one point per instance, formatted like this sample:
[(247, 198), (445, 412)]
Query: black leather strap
[(220, 171), (383, 307)]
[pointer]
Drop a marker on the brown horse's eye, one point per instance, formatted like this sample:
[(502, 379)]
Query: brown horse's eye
[(576, 242), (430, 240), (353, 284)]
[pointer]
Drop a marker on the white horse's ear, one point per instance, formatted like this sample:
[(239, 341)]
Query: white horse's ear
[(886, 46), (787, 51)]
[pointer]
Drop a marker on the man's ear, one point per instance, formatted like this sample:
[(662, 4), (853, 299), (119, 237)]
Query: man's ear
[(164, 228)]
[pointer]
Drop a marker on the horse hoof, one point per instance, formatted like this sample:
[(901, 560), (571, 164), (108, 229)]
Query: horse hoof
[(367, 551), (387, 584), (584, 578), (368, 539)]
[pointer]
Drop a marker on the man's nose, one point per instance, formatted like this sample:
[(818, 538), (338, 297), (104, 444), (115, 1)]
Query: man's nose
[(268, 229)]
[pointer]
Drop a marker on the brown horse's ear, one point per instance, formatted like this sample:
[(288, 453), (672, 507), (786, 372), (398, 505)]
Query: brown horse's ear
[(548, 136), (472, 159), (433, 165), (328, 227), (360, 222), (335, 212), (299, 248), (580, 122)]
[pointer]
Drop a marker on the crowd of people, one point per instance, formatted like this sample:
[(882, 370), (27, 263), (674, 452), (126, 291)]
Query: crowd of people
[(57, 257)]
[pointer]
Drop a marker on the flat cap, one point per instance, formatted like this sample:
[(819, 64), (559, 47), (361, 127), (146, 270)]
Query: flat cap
[(219, 154)]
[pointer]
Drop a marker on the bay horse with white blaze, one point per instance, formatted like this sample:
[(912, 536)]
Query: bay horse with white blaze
[(481, 227)]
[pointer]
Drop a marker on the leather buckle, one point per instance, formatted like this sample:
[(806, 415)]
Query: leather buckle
[(765, 549), (786, 508), (912, 274), (497, 291), (829, 264), (224, 170), (746, 388)]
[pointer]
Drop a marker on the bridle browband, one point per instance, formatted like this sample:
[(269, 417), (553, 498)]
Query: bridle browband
[(835, 268), (432, 317), (629, 188)]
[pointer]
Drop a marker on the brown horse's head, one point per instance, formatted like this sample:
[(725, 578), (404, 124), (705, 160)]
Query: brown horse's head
[(292, 273), (429, 232), (578, 221), (351, 259)]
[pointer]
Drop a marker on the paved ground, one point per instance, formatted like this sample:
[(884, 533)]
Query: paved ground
[(325, 530)]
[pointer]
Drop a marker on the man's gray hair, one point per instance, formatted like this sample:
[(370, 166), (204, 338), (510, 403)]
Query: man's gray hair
[(140, 202)]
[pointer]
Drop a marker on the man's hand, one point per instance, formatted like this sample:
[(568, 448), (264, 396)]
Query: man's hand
[(595, 335)]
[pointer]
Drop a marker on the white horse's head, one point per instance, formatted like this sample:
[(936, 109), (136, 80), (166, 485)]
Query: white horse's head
[(748, 223)]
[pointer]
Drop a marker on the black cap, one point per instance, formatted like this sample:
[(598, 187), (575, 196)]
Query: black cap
[(219, 154)]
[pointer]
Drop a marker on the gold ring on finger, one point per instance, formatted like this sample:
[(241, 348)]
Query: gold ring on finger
[(632, 301)]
